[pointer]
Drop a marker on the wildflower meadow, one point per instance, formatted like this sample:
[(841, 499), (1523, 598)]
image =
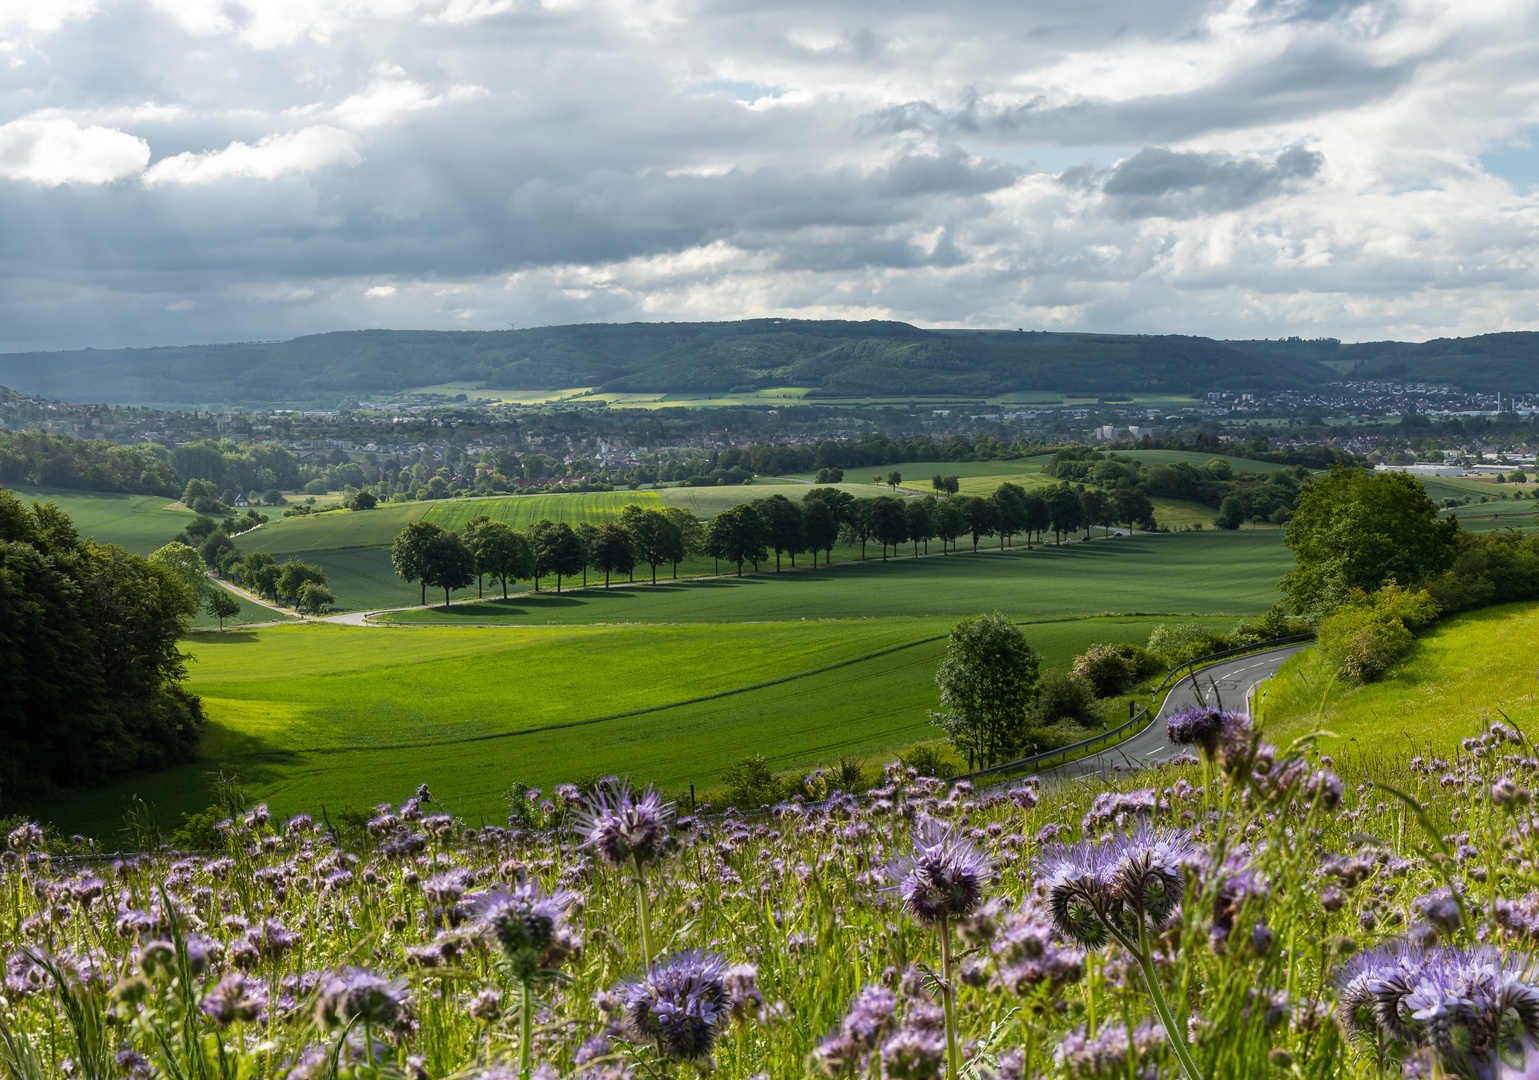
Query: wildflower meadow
[(1247, 910)]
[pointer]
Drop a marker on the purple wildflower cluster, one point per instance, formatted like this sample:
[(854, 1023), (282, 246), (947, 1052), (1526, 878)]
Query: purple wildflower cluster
[(942, 879), (1474, 1010), (624, 827), (901, 1035), (1117, 886)]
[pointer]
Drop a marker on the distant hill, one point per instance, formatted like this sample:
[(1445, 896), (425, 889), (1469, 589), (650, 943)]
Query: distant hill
[(1507, 362), (836, 359)]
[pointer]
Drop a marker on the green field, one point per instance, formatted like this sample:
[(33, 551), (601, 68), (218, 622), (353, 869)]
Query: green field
[(322, 715), (140, 523), (1461, 675), (1209, 572)]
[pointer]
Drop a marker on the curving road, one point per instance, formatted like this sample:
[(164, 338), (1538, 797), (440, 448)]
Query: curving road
[(1230, 680)]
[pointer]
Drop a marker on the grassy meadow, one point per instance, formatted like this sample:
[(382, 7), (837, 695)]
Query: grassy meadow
[(1461, 674), (323, 715), (139, 523), (1143, 574)]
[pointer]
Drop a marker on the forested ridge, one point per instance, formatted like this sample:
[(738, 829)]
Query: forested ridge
[(834, 358)]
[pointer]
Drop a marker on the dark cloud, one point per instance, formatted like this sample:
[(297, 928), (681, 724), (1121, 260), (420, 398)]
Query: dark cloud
[(1169, 183)]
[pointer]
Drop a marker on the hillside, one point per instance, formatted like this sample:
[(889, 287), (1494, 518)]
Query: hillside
[(831, 358), (1487, 362)]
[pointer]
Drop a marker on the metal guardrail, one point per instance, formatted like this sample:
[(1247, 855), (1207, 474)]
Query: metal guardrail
[(1142, 717), (1260, 646)]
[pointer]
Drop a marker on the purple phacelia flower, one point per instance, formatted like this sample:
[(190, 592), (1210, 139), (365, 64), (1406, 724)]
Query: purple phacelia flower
[(1198, 725), (232, 998), (1094, 888), (528, 925), (624, 827), (353, 993), (679, 1005), (942, 879)]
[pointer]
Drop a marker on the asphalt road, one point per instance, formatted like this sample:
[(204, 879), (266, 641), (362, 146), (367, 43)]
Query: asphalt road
[(1230, 681)]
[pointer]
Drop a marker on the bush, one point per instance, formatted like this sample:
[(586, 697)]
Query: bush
[(362, 500), (1106, 669), (1364, 637), (1143, 662), (200, 831), (1065, 695), (316, 487), (750, 782), (928, 759), (829, 476)]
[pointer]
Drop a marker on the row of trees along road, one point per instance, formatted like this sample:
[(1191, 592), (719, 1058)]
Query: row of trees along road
[(434, 556), (825, 516), (439, 558)]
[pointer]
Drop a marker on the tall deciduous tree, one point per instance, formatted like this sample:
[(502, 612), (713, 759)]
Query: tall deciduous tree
[(786, 528), (1357, 530), (739, 534), (656, 538), (987, 682), (820, 527), (259, 573), (950, 522), (1037, 517), (293, 575), (556, 551), (407, 552), (919, 516), (1009, 511), (504, 553), (221, 605), (612, 550), (691, 535), (889, 523), (1132, 506), (448, 563), (1064, 510), (979, 514)]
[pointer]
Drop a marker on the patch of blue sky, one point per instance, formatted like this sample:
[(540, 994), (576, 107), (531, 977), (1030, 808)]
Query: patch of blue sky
[(1517, 163)]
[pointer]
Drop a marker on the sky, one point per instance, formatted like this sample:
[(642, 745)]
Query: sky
[(191, 171)]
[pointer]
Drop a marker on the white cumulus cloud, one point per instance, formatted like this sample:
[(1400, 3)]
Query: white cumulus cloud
[(57, 150), (390, 97), (300, 151)]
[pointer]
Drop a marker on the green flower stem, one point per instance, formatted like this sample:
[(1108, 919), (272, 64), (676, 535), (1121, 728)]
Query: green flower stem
[(526, 1033), (1152, 981), (947, 995), (644, 912)]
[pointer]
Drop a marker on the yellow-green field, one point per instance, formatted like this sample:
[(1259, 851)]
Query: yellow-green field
[(1461, 674)]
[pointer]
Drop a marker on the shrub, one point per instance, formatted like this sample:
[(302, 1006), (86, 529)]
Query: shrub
[(750, 782), (1106, 669), (1169, 638), (316, 487), (1364, 637), (928, 759), (1142, 662), (1066, 695), (200, 831)]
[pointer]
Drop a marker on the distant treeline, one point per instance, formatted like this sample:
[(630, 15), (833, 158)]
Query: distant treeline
[(35, 457), (88, 644)]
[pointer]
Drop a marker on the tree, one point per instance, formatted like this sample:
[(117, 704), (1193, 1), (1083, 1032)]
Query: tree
[(1097, 509), (889, 523), (585, 531), (950, 522), (946, 485), (894, 478), (1358, 530), (315, 597), (1231, 513), (259, 573), (187, 565), (1009, 511), (1132, 506), (919, 518), (987, 681), (406, 554), (739, 534), (448, 563), (293, 575), (473, 539), (691, 535), (1037, 516), (503, 552), (820, 528), (362, 500), (656, 538), (1064, 510), (556, 551), (612, 550), (219, 552), (783, 518), (979, 515), (221, 605)]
